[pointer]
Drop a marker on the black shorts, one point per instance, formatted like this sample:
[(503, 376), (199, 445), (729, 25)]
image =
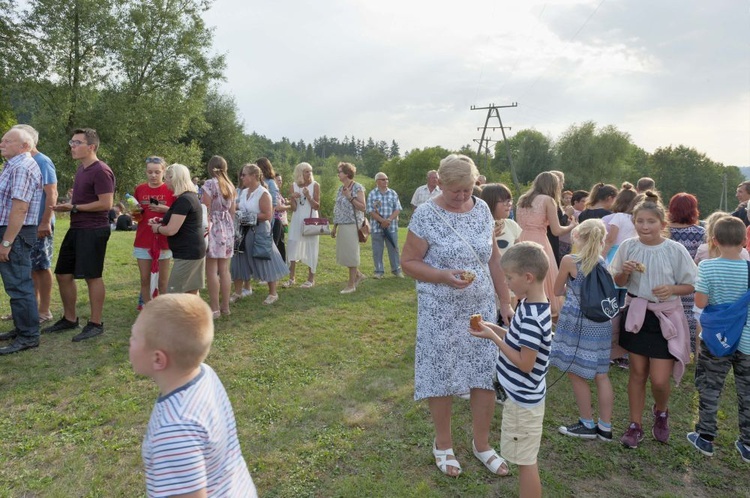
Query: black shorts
[(82, 252)]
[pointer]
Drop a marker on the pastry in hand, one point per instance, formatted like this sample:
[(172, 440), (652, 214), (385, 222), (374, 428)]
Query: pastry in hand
[(468, 276), (474, 322), (640, 267)]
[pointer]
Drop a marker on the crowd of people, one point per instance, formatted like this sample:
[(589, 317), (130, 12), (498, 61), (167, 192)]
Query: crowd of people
[(519, 271)]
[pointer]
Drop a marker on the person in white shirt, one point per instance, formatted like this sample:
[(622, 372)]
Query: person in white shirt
[(426, 192)]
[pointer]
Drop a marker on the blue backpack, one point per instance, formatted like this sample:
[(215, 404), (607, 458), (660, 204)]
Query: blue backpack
[(723, 323)]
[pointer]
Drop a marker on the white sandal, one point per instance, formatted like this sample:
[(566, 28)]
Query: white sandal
[(493, 465), (445, 459)]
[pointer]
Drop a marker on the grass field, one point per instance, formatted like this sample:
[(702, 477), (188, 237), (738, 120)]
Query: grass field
[(322, 388)]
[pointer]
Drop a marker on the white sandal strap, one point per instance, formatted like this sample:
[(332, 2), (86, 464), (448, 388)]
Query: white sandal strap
[(493, 465), (443, 461)]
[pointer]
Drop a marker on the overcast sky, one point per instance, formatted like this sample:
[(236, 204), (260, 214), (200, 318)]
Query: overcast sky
[(667, 72)]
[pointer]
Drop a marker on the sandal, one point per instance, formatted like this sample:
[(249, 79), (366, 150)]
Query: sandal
[(217, 315), (44, 318), (288, 283), (226, 312), (7, 317), (492, 464), (307, 285), (445, 459), (272, 298), (235, 297)]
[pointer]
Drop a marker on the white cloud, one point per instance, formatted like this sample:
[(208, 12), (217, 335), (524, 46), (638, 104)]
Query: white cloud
[(409, 70)]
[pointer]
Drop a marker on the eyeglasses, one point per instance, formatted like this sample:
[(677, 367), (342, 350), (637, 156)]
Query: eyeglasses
[(153, 160), (382, 179), (508, 202), (76, 143)]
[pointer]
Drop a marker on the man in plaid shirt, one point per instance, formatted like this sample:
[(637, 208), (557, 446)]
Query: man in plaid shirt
[(20, 199), (384, 208)]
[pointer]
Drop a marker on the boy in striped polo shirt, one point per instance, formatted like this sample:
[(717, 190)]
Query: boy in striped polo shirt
[(723, 280), (523, 361), (191, 447)]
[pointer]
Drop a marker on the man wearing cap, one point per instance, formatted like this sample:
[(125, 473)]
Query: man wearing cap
[(384, 207)]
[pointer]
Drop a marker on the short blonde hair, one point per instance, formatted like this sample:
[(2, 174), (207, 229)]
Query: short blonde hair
[(457, 170), (180, 325), (526, 257), (179, 177)]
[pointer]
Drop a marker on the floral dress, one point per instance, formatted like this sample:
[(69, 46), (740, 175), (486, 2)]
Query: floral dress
[(691, 238), (221, 230), (448, 359)]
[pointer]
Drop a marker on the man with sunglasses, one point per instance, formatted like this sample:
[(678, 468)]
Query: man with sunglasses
[(85, 245)]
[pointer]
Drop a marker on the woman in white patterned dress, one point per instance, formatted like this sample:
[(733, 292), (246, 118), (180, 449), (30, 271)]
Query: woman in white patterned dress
[(449, 235), (305, 201)]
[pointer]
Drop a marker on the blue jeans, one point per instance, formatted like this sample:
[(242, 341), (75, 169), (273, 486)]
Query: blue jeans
[(378, 241), (16, 275)]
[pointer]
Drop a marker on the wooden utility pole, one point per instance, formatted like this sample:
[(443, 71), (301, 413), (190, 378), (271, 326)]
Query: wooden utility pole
[(492, 111)]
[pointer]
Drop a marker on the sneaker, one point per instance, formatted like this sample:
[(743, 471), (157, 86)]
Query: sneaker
[(399, 274), (9, 336), (702, 445), (61, 325), (578, 430), (660, 431), (246, 293), (464, 395), (744, 451), (90, 330), (603, 435), (377, 276), (633, 436)]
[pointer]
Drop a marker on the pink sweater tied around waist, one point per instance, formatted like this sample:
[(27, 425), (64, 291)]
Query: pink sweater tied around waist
[(673, 324)]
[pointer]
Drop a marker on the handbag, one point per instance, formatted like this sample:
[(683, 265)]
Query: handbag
[(363, 231), (315, 226), (262, 244), (722, 324)]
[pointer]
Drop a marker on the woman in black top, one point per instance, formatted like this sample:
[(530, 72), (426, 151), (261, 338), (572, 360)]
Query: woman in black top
[(599, 203), (183, 226)]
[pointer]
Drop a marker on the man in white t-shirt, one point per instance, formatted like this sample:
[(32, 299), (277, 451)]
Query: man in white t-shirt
[(426, 192)]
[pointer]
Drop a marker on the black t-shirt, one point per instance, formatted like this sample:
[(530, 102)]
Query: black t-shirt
[(188, 242), (588, 214), (741, 213)]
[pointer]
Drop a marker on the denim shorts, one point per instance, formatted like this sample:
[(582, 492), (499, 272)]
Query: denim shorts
[(142, 253), (41, 254)]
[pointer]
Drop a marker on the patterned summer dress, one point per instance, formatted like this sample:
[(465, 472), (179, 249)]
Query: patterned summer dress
[(221, 231), (448, 359), (580, 345), (691, 238)]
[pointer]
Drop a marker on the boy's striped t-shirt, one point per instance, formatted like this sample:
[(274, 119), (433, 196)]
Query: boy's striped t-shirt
[(531, 327), (725, 281), (191, 443)]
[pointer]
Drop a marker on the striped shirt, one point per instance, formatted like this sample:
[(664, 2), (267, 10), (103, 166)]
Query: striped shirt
[(385, 204), (725, 281), (191, 443), (21, 179), (531, 327)]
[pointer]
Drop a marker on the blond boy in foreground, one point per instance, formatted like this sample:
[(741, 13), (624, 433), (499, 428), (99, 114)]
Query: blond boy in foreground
[(190, 448), (523, 362)]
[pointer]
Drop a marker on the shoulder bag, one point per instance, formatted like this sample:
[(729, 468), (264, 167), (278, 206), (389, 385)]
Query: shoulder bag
[(363, 230), (722, 324)]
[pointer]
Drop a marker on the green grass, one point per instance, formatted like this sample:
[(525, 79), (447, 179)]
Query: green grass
[(322, 388)]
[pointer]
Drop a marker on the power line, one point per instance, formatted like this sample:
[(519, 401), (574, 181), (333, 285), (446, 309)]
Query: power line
[(492, 111)]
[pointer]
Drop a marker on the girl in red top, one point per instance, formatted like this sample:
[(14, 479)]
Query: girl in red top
[(154, 199)]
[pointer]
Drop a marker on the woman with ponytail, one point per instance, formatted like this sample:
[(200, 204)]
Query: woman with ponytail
[(218, 197)]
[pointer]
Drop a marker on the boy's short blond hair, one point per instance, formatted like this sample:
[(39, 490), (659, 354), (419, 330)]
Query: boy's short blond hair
[(526, 257), (729, 231), (180, 325)]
